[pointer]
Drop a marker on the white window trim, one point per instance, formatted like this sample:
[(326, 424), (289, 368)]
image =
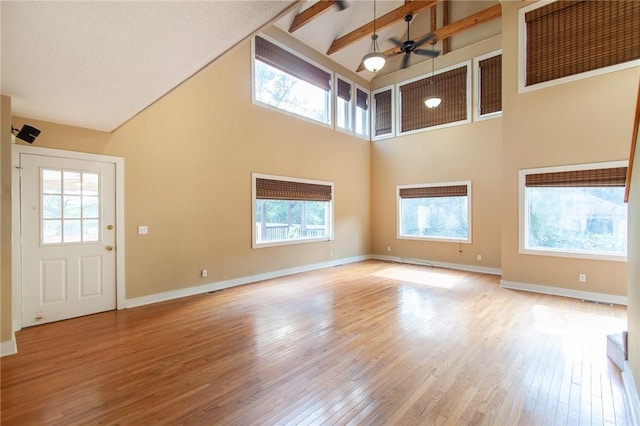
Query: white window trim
[(352, 120), (256, 245), (373, 113), (468, 240), (368, 124), (306, 59), (522, 60), (423, 76), (522, 174), (476, 87)]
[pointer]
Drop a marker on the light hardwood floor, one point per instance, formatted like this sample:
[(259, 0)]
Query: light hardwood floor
[(369, 343)]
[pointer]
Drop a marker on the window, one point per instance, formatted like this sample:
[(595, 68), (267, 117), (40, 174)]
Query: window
[(383, 111), (290, 210), (362, 113), (451, 85), (574, 211), (343, 104), (567, 38), (285, 81), (70, 206), (488, 79), (440, 212)]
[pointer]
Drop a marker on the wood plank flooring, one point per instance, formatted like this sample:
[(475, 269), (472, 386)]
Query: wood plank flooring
[(369, 343)]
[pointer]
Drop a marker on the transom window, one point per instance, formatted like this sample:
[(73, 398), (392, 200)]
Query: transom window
[(285, 81), (565, 40), (574, 211), (440, 212), (290, 210), (70, 206)]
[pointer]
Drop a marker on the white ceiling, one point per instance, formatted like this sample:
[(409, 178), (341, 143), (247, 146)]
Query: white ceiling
[(96, 64), (334, 23)]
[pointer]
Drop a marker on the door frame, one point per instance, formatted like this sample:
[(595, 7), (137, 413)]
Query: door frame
[(16, 240)]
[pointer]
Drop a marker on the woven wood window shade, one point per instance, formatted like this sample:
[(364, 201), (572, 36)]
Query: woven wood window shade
[(271, 189), (490, 85), (450, 86), (434, 191), (289, 63), (383, 112), (615, 176), (571, 37), (344, 90), (362, 99)]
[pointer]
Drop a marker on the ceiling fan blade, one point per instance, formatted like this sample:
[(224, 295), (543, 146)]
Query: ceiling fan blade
[(395, 41), (425, 39), (405, 61), (425, 52), (340, 4)]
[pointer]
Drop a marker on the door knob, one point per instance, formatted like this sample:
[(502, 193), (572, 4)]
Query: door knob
[(109, 248)]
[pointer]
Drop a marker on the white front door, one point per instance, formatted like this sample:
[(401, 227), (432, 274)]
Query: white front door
[(67, 210)]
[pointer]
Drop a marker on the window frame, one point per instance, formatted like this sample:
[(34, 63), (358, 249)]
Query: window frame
[(522, 58), (522, 208), (373, 107), (469, 90), (468, 240), (330, 214), (477, 116), (330, 95), (351, 109), (367, 125)]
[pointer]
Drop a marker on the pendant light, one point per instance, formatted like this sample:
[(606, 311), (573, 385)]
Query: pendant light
[(374, 60), (432, 101)]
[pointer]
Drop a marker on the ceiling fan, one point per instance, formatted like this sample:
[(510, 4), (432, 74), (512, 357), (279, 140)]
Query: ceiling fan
[(410, 46), (340, 4)]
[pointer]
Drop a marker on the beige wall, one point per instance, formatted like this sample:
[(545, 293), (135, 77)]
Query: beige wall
[(6, 333), (467, 152), (633, 311), (188, 164), (580, 122)]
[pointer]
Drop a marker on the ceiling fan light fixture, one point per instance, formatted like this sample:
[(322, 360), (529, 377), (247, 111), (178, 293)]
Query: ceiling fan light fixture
[(374, 61), (432, 102)]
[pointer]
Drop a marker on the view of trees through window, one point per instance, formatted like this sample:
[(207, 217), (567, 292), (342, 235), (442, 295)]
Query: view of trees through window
[(281, 90), (434, 217), (591, 220), (281, 220)]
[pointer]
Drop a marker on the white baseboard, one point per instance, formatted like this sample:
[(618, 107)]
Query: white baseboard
[(219, 285), (558, 291), (631, 394), (8, 348), (458, 266)]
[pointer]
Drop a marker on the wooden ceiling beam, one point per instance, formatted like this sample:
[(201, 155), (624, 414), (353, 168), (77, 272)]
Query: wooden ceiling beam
[(381, 22), (310, 14), (464, 24)]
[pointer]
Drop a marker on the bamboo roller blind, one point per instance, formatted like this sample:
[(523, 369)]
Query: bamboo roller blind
[(383, 112), (490, 85), (450, 86), (286, 61), (434, 191), (570, 37), (344, 90), (272, 189), (362, 99), (615, 176)]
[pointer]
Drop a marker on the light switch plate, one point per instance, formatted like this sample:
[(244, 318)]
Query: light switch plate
[(143, 230)]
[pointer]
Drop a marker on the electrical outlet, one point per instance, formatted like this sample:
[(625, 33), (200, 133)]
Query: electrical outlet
[(479, 257), (330, 252), (388, 248), (204, 273), (582, 278)]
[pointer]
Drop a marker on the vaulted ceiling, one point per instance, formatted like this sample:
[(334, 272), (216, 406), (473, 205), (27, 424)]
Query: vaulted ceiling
[(97, 64)]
